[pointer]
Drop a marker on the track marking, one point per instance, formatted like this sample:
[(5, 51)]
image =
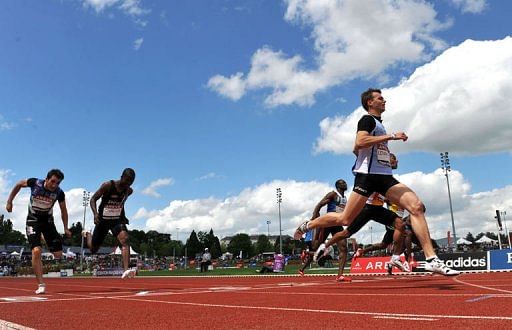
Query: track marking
[(480, 286), (23, 298), (142, 293), (405, 318), (11, 325), (480, 298), (302, 310)]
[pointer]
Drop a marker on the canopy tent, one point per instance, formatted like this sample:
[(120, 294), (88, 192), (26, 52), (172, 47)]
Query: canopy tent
[(118, 251), (463, 241), (14, 253), (69, 254), (486, 240)]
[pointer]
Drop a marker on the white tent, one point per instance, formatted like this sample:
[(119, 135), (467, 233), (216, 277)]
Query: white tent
[(14, 253), (463, 241), (118, 251), (69, 253), (486, 240)]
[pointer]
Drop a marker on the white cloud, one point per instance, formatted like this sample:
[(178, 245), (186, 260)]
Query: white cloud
[(132, 8), (347, 36), (246, 212), (457, 103), (153, 186), (138, 43), (208, 176), (470, 6), (5, 125)]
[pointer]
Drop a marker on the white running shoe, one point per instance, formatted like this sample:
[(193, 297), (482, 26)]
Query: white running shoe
[(438, 266), (41, 289), (129, 273), (301, 230), (398, 264)]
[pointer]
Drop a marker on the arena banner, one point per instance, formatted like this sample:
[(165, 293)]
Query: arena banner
[(500, 259), (466, 261), (373, 265), (108, 272)]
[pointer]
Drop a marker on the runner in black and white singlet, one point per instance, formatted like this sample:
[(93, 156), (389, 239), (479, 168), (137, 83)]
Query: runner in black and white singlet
[(43, 195), (110, 216), (335, 201), (374, 174)]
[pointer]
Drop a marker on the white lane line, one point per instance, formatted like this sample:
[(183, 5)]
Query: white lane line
[(405, 318), (480, 286), (7, 325), (302, 310)]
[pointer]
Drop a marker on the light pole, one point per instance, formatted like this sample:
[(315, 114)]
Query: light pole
[(445, 165), (279, 195), (268, 228), (503, 215), (85, 201), (177, 233), (371, 235)]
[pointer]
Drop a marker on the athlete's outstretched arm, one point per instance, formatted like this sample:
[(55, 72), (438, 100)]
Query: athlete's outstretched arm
[(327, 198), (64, 215), (14, 192)]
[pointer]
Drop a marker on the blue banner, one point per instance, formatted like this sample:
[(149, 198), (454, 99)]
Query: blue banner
[(500, 259)]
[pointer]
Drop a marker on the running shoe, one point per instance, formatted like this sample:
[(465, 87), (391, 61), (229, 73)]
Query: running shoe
[(398, 264), (129, 273), (389, 268), (438, 266), (359, 253), (342, 278), (301, 230), (41, 289), (301, 272)]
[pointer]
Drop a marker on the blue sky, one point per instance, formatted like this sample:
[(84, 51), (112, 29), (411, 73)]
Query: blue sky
[(217, 103)]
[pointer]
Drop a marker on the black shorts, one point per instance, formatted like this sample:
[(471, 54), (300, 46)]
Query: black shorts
[(324, 232), (388, 237), (102, 228), (47, 228), (367, 184), (378, 214)]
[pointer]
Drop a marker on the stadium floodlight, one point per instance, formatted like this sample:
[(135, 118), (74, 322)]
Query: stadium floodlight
[(279, 195), (268, 228), (85, 201), (445, 166)]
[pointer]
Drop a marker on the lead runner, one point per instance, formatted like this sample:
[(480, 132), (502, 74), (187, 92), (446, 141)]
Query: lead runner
[(111, 216), (374, 174)]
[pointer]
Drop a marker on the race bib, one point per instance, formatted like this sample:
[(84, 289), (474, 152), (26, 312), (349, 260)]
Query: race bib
[(41, 203), (383, 154), (112, 211)]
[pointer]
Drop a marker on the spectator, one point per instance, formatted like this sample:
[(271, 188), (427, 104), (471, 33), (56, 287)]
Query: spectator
[(206, 260)]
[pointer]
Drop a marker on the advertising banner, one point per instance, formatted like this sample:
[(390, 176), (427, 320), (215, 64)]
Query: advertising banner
[(373, 265), (108, 272), (500, 259), (466, 261)]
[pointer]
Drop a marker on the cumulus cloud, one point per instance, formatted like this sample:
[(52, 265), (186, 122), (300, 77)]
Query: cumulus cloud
[(457, 103), (470, 6), (153, 186), (5, 125), (247, 212), (138, 43), (346, 35)]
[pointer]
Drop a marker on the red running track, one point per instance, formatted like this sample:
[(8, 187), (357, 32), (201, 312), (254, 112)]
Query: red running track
[(468, 301)]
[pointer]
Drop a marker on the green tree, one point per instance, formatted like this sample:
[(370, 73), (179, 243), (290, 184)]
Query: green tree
[(470, 237), (241, 242), (8, 235), (193, 245), (263, 244)]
